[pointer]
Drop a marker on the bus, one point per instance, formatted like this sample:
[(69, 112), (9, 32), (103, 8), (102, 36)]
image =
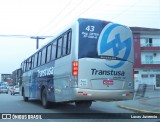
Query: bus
[(89, 60)]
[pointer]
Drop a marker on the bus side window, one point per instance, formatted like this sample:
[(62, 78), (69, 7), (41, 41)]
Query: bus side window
[(68, 42), (43, 56), (32, 62), (64, 51), (26, 67), (54, 50), (22, 66), (48, 53), (29, 63), (35, 60), (59, 51), (39, 58)]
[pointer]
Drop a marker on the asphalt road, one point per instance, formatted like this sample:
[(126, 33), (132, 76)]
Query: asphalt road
[(12, 104), (15, 104)]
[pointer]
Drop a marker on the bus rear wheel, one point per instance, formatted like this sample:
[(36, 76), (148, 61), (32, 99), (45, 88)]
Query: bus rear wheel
[(45, 102), (83, 104)]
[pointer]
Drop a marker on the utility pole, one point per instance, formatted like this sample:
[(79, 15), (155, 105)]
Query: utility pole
[(37, 40)]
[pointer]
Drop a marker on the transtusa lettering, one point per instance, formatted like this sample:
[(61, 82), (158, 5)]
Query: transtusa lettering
[(45, 72), (107, 72)]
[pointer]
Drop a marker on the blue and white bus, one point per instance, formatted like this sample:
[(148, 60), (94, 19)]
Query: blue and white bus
[(89, 60)]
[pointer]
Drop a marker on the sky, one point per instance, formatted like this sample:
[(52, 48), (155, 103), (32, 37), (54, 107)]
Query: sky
[(47, 17)]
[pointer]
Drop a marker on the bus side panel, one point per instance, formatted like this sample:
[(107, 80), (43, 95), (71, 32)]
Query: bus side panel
[(29, 83), (63, 81), (62, 76), (33, 87), (42, 78), (25, 84)]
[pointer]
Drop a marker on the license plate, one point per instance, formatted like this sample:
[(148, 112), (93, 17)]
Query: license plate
[(108, 82)]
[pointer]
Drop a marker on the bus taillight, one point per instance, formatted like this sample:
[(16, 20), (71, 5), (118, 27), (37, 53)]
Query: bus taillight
[(75, 68)]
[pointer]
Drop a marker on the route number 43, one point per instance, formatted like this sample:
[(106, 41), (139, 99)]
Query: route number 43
[(90, 28)]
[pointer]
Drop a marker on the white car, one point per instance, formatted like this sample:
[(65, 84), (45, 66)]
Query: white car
[(15, 90), (3, 89)]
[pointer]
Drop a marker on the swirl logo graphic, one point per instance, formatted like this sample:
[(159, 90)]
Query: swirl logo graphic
[(115, 40)]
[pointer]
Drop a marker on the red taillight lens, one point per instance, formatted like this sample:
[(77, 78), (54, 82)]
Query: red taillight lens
[(75, 68)]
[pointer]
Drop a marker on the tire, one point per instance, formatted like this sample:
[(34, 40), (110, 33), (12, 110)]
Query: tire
[(24, 97), (45, 103), (83, 104)]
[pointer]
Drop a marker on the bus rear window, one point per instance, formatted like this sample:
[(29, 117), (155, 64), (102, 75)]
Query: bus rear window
[(88, 49), (89, 31)]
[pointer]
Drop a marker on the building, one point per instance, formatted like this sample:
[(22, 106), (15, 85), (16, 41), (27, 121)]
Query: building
[(6, 78), (147, 56)]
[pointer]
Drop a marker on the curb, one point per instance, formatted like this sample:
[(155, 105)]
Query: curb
[(136, 110)]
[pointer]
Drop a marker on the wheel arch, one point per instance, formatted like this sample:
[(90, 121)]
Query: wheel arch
[(42, 88), (22, 91)]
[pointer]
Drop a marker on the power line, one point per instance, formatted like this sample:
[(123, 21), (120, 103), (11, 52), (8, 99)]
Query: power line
[(23, 36), (53, 19), (64, 16), (16, 36), (27, 36), (122, 12), (91, 6)]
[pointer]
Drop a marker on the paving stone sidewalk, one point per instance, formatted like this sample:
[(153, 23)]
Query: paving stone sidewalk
[(150, 103)]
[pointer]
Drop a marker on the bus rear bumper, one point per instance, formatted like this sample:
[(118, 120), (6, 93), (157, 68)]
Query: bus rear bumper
[(105, 95)]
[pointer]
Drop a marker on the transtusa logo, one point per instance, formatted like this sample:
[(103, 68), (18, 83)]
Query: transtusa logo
[(116, 41)]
